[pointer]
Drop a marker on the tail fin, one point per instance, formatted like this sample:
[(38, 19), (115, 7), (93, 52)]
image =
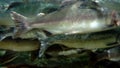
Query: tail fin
[(21, 24)]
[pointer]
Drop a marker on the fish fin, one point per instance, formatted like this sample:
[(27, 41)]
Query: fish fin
[(40, 36), (43, 48), (47, 33), (2, 37), (21, 24), (43, 34)]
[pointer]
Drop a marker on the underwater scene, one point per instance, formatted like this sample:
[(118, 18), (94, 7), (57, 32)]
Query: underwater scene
[(59, 34)]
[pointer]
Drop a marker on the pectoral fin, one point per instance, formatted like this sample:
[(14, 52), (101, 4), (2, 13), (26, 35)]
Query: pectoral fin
[(47, 33), (43, 34)]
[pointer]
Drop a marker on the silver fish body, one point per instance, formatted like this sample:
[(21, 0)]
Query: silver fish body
[(69, 20)]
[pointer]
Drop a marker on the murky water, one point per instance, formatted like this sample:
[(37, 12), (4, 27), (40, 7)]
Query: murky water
[(24, 52)]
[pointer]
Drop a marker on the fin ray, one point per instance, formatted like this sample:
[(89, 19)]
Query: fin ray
[(21, 24)]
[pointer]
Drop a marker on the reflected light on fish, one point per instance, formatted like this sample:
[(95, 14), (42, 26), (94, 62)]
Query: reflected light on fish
[(95, 24)]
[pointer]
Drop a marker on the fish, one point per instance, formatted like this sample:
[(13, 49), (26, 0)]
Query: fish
[(19, 45), (91, 41), (68, 20)]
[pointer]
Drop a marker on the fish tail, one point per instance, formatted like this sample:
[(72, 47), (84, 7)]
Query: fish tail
[(21, 24)]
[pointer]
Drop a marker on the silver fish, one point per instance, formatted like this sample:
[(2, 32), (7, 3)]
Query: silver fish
[(68, 20)]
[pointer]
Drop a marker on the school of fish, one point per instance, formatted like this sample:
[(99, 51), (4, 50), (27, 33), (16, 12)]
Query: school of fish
[(76, 24)]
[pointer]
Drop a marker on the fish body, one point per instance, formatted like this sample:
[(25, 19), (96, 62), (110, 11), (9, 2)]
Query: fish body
[(95, 40), (90, 41), (68, 20), (19, 44), (86, 44)]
